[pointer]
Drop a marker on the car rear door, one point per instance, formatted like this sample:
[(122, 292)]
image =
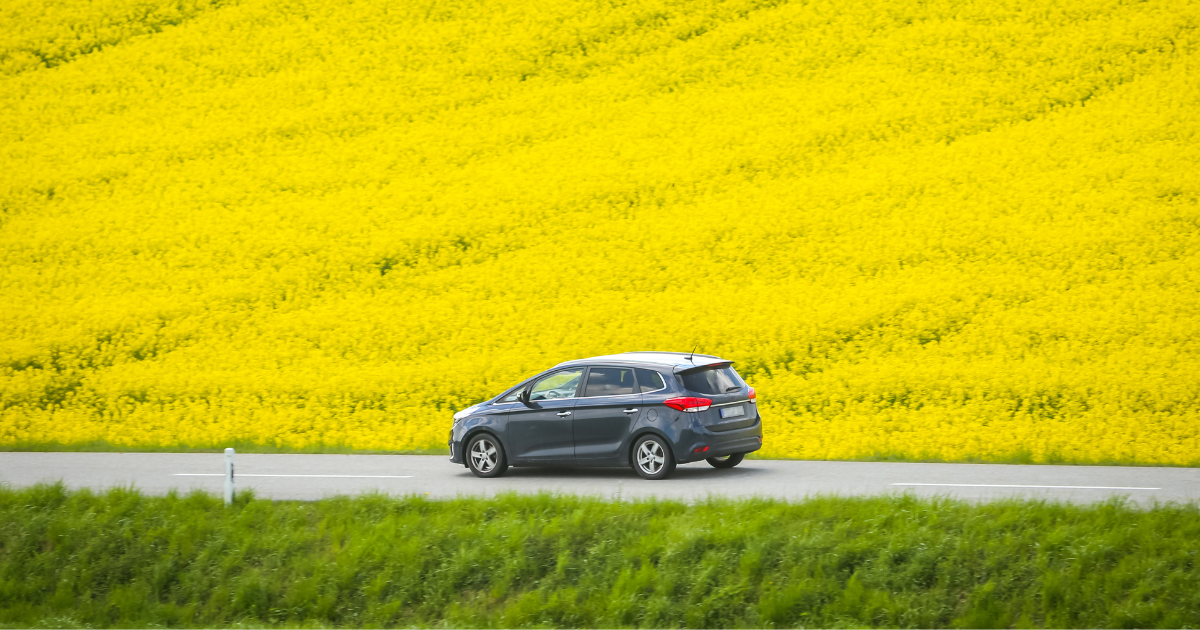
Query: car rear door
[(604, 413)]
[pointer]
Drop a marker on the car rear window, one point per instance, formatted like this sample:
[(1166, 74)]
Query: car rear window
[(649, 380), (719, 380), (608, 381)]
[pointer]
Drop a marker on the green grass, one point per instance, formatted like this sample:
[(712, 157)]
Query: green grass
[(75, 558)]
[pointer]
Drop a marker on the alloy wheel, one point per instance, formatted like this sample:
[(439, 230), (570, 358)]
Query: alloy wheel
[(726, 461), (484, 455), (651, 457)]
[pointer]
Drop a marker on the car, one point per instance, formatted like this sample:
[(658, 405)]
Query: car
[(648, 410)]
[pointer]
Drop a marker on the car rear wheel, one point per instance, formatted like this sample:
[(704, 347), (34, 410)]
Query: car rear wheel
[(652, 458), (728, 461), (485, 456)]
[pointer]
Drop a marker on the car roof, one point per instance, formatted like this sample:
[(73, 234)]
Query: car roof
[(660, 359)]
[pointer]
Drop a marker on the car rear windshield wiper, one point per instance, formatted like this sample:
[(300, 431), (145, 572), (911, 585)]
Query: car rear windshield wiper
[(732, 389)]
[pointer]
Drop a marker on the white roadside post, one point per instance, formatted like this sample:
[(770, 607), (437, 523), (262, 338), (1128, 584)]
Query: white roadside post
[(228, 476)]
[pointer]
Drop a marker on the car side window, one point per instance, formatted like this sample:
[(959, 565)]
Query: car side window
[(513, 397), (558, 385), (649, 380), (609, 381)]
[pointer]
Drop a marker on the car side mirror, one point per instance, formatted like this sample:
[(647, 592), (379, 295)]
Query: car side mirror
[(524, 397)]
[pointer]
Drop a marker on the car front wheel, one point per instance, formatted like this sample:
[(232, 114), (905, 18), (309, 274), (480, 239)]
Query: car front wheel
[(728, 461), (485, 456), (652, 458)]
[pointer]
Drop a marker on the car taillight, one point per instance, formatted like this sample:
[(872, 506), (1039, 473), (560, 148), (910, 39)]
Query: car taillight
[(688, 404), (753, 396)]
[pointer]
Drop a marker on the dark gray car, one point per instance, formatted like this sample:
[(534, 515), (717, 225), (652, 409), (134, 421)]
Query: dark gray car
[(648, 410)]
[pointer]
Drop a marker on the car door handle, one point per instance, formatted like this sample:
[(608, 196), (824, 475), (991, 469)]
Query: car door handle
[(563, 413), (634, 410)]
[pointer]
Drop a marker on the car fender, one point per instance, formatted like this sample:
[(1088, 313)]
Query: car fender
[(490, 429)]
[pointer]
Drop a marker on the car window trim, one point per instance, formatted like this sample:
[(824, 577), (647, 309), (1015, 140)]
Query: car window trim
[(528, 384), (588, 376)]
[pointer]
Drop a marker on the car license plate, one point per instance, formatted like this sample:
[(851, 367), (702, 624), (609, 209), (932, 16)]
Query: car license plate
[(733, 412)]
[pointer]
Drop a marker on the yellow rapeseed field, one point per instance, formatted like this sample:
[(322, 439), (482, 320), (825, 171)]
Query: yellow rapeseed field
[(959, 229)]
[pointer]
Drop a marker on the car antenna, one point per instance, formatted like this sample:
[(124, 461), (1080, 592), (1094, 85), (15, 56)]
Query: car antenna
[(693, 353)]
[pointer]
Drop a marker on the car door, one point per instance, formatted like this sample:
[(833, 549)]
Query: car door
[(604, 413), (540, 428)]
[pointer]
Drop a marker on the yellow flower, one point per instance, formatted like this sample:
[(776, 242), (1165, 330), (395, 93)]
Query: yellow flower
[(922, 229)]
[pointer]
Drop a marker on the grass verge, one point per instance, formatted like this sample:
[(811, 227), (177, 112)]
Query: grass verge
[(76, 558)]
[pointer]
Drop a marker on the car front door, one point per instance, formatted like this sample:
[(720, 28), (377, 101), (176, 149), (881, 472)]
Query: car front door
[(540, 428), (605, 412)]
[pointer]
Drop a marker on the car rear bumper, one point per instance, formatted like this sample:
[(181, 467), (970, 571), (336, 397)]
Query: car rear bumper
[(721, 443)]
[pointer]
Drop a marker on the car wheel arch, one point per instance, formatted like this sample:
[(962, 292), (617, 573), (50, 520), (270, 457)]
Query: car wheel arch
[(474, 431), (633, 439)]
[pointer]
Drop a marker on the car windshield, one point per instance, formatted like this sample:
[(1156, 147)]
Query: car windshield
[(717, 380)]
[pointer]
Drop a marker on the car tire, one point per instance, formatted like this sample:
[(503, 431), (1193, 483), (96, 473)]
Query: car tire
[(728, 461), (485, 456), (651, 458)]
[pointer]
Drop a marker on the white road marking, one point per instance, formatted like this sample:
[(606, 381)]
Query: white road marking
[(1002, 485), (322, 476)]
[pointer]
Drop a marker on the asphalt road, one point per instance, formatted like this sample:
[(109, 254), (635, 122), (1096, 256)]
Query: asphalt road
[(317, 476)]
